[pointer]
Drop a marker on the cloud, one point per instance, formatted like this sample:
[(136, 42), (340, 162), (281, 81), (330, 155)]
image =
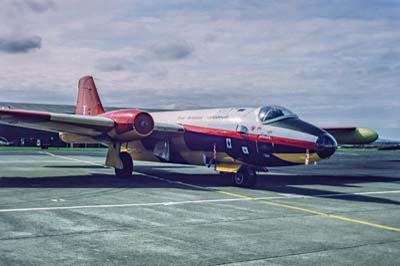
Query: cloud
[(171, 51), (147, 58), (20, 44), (36, 6), (334, 62), (113, 64)]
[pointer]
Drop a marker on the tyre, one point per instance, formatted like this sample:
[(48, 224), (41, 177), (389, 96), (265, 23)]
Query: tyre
[(127, 163), (245, 177)]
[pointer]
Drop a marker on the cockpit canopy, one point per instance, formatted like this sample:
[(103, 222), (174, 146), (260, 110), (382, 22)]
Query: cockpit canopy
[(273, 113)]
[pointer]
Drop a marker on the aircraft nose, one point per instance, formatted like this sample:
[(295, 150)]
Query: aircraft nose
[(326, 145)]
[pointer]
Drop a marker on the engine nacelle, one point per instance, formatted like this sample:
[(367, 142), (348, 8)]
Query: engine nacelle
[(130, 124)]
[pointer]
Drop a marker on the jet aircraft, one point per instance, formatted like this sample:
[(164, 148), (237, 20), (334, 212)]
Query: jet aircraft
[(238, 141)]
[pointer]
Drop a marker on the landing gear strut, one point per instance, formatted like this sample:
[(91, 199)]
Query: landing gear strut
[(127, 163), (245, 177)]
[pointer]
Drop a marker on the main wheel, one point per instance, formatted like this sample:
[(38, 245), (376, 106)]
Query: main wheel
[(245, 177), (127, 163)]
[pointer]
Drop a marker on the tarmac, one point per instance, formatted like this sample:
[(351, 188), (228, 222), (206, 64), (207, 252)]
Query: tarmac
[(63, 207)]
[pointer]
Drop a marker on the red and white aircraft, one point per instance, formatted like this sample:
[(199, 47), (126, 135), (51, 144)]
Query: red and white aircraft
[(239, 141)]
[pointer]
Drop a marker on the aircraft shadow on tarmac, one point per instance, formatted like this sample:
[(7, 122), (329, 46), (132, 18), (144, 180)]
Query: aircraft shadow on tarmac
[(279, 183), (101, 166)]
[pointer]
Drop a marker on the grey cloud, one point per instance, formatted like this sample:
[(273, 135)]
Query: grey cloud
[(159, 52), (36, 6), (392, 56), (210, 38), (171, 51), (20, 44), (145, 70), (114, 64)]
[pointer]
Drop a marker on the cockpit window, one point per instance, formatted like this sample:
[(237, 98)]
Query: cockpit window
[(273, 113)]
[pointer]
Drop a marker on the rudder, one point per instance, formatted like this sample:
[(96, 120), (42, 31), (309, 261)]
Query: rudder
[(88, 102)]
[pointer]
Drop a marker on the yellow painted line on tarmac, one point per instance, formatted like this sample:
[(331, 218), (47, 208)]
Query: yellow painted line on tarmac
[(332, 216), (263, 201), (234, 194)]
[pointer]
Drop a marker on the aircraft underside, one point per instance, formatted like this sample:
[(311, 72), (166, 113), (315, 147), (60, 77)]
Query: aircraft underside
[(205, 149)]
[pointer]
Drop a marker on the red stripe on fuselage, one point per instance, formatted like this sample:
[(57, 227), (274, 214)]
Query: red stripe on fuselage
[(254, 137)]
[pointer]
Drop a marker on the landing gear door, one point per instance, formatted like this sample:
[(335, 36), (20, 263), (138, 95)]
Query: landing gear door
[(161, 150)]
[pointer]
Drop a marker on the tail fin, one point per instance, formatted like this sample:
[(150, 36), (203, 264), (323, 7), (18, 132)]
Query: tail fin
[(88, 99)]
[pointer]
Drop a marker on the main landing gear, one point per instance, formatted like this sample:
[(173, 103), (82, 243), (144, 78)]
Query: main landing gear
[(127, 163), (245, 177)]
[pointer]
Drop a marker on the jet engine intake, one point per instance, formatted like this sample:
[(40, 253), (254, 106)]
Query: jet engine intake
[(326, 145), (130, 124)]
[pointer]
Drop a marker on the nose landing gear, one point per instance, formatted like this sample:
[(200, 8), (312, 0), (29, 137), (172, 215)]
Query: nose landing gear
[(245, 177)]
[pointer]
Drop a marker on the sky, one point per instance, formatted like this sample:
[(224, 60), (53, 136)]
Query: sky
[(334, 63)]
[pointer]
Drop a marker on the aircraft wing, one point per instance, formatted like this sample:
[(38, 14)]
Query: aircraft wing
[(91, 126), (56, 122), (352, 135), (166, 131)]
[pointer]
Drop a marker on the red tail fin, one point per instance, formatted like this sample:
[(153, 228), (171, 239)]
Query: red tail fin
[(88, 99)]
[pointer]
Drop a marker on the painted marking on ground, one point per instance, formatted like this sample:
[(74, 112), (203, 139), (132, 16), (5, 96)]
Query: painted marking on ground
[(284, 195), (29, 161), (57, 200), (239, 196), (166, 203), (323, 214), (288, 206), (72, 159), (338, 195), (173, 181)]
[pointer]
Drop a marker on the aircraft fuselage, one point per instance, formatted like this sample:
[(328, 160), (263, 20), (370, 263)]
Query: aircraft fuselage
[(235, 136)]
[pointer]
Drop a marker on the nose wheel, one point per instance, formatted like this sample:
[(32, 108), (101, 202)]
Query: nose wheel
[(245, 177), (127, 163)]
